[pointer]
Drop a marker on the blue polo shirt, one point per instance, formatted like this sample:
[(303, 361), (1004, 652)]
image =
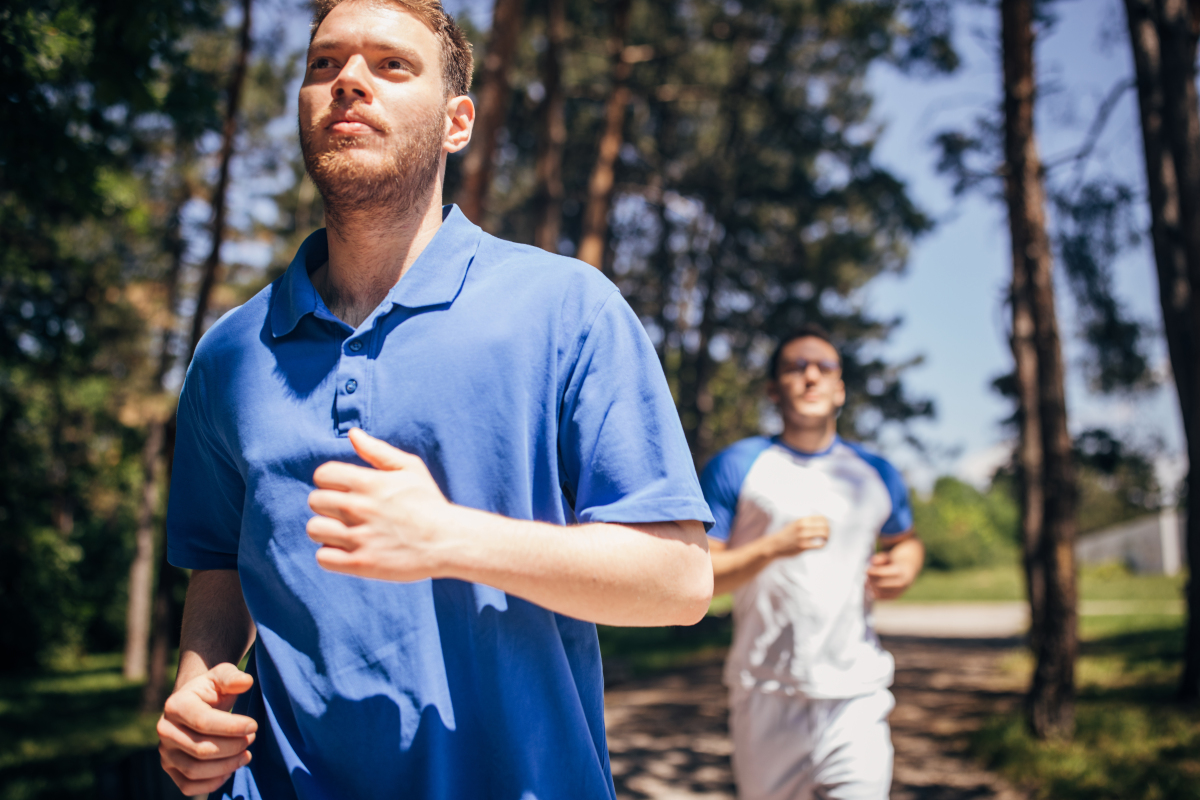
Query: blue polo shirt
[(530, 389)]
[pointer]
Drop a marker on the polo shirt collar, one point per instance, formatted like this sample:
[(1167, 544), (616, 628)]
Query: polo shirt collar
[(435, 278)]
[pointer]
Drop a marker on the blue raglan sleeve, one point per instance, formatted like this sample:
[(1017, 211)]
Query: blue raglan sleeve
[(722, 481), (624, 455), (901, 519), (204, 511)]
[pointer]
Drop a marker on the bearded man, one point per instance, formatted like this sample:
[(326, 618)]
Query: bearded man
[(446, 403)]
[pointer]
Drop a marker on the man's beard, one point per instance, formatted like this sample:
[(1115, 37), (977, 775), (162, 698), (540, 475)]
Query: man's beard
[(391, 185)]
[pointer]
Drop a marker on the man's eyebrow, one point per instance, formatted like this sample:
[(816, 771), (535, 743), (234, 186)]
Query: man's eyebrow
[(404, 50)]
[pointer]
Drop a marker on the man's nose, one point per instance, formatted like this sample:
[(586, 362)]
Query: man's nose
[(354, 81)]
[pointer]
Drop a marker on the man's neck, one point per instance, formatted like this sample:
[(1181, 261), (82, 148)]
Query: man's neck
[(369, 251), (810, 438)]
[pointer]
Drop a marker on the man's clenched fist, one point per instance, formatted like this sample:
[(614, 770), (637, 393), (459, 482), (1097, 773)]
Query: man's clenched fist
[(201, 744)]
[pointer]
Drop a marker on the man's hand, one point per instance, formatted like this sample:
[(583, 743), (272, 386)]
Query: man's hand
[(892, 571), (201, 744), (806, 533), (388, 522)]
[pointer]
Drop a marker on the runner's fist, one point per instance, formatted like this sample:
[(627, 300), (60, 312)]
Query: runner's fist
[(806, 533), (388, 522), (199, 741), (888, 578)]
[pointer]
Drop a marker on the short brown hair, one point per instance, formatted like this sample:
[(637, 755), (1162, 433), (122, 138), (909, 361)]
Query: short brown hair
[(457, 61), (809, 330)]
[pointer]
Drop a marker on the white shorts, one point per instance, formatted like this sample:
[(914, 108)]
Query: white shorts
[(797, 748)]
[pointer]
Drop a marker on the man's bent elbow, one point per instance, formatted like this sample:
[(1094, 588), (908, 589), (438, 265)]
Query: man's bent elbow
[(695, 589)]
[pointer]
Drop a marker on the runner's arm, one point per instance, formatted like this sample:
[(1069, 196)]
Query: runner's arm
[(200, 743), (733, 568), (393, 523)]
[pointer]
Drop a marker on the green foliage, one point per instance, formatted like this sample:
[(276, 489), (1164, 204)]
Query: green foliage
[(1116, 480), (92, 90), (1132, 741), (963, 527), (747, 197)]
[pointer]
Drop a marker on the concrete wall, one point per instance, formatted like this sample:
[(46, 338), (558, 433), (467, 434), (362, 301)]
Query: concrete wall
[(1151, 544)]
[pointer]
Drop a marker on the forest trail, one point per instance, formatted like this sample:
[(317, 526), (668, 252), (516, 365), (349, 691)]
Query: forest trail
[(668, 736)]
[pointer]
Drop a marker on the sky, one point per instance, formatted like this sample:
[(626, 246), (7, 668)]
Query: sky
[(950, 295)]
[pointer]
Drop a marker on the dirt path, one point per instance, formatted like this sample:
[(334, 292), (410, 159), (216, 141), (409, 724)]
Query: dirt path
[(668, 735)]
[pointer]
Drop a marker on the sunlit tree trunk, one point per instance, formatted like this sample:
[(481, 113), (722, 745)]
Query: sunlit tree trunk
[(600, 184), (1050, 551), (552, 134), (1162, 35), (141, 571), (493, 95), (152, 694)]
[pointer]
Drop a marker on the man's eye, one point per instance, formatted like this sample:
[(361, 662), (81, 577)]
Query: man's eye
[(320, 63), (395, 63)]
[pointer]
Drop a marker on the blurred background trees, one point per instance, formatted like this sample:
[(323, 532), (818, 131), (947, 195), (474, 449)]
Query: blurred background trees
[(716, 159)]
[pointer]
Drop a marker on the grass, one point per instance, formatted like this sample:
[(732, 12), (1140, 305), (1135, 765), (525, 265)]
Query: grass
[(1132, 740), (633, 652), (55, 728), (1005, 583)]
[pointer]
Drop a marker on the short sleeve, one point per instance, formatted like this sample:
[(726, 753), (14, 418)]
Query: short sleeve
[(624, 455), (901, 518), (722, 480), (204, 511)]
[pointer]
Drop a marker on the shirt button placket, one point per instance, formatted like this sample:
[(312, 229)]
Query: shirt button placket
[(351, 403)]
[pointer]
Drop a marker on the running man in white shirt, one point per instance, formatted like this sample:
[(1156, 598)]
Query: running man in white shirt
[(798, 520)]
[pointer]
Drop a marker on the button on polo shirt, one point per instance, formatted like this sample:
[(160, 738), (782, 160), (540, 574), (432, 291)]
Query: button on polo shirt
[(530, 389)]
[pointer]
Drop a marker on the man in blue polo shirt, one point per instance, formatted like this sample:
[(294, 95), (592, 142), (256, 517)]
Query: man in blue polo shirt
[(491, 452), (798, 520)]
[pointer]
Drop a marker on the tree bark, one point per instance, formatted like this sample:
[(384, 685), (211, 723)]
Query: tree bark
[(1050, 551), (552, 133), (152, 693), (494, 98), (141, 570), (1162, 36), (600, 184)]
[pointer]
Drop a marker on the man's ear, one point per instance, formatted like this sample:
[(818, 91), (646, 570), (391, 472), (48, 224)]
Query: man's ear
[(773, 391), (839, 395), (460, 113)]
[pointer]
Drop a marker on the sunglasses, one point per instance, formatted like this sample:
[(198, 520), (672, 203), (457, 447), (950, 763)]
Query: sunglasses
[(825, 365)]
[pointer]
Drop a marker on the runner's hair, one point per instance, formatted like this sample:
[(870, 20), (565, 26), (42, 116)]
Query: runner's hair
[(457, 61), (809, 330)]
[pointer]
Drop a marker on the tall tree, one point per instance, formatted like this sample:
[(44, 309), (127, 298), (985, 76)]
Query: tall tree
[(495, 96), (600, 184), (93, 89), (1163, 36), (153, 691), (1045, 468), (551, 133)]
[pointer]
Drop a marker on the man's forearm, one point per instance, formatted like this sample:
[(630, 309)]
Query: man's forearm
[(217, 627), (633, 575), (734, 568)]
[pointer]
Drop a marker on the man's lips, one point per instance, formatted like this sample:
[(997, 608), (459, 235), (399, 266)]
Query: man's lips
[(350, 126)]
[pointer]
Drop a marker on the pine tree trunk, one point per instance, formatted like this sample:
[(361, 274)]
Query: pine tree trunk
[(552, 134), (1050, 550), (1163, 39), (141, 572), (494, 97), (600, 184), (152, 693)]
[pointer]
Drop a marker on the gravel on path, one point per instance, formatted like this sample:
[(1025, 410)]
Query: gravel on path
[(668, 734)]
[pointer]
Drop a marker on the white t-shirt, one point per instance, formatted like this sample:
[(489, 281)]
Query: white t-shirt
[(803, 625)]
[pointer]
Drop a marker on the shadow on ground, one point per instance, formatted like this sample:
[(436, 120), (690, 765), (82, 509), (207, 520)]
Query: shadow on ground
[(669, 738)]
